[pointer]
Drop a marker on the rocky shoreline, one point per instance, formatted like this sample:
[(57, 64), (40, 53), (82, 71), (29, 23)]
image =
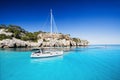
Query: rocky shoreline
[(16, 37), (17, 43)]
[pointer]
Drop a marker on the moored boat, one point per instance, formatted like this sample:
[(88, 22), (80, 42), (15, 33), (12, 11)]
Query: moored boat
[(46, 53), (41, 53)]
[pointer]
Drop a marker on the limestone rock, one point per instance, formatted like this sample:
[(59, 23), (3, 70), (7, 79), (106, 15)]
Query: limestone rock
[(3, 31)]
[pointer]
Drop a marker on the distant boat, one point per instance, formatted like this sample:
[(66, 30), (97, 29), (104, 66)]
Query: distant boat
[(42, 53)]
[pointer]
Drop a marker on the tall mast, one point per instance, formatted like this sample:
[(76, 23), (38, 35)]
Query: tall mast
[(51, 21)]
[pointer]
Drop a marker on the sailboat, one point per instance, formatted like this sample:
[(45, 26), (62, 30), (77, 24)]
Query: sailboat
[(41, 53)]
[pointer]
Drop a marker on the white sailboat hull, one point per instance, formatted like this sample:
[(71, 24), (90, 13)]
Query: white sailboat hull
[(46, 54)]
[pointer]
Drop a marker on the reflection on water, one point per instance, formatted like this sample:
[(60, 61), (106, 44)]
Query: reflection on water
[(15, 49), (65, 49)]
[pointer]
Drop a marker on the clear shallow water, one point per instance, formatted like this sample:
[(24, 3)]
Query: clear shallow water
[(91, 63)]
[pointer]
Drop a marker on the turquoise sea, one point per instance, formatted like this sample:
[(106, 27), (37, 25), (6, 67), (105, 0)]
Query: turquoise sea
[(84, 63)]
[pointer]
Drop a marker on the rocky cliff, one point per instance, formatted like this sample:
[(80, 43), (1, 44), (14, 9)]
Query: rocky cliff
[(14, 36)]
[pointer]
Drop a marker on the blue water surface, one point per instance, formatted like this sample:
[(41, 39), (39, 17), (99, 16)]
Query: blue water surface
[(85, 63)]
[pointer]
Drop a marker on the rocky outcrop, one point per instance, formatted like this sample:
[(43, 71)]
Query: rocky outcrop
[(13, 37), (12, 43), (47, 39)]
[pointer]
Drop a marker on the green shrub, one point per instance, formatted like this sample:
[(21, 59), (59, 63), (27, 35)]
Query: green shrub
[(3, 36), (30, 36), (15, 30), (76, 39), (25, 38)]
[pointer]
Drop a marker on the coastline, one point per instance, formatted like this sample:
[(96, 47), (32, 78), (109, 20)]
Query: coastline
[(16, 43), (13, 36)]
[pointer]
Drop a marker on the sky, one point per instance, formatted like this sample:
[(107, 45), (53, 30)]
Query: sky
[(97, 21)]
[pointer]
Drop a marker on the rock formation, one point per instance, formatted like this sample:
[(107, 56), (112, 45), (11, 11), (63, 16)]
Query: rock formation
[(11, 37)]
